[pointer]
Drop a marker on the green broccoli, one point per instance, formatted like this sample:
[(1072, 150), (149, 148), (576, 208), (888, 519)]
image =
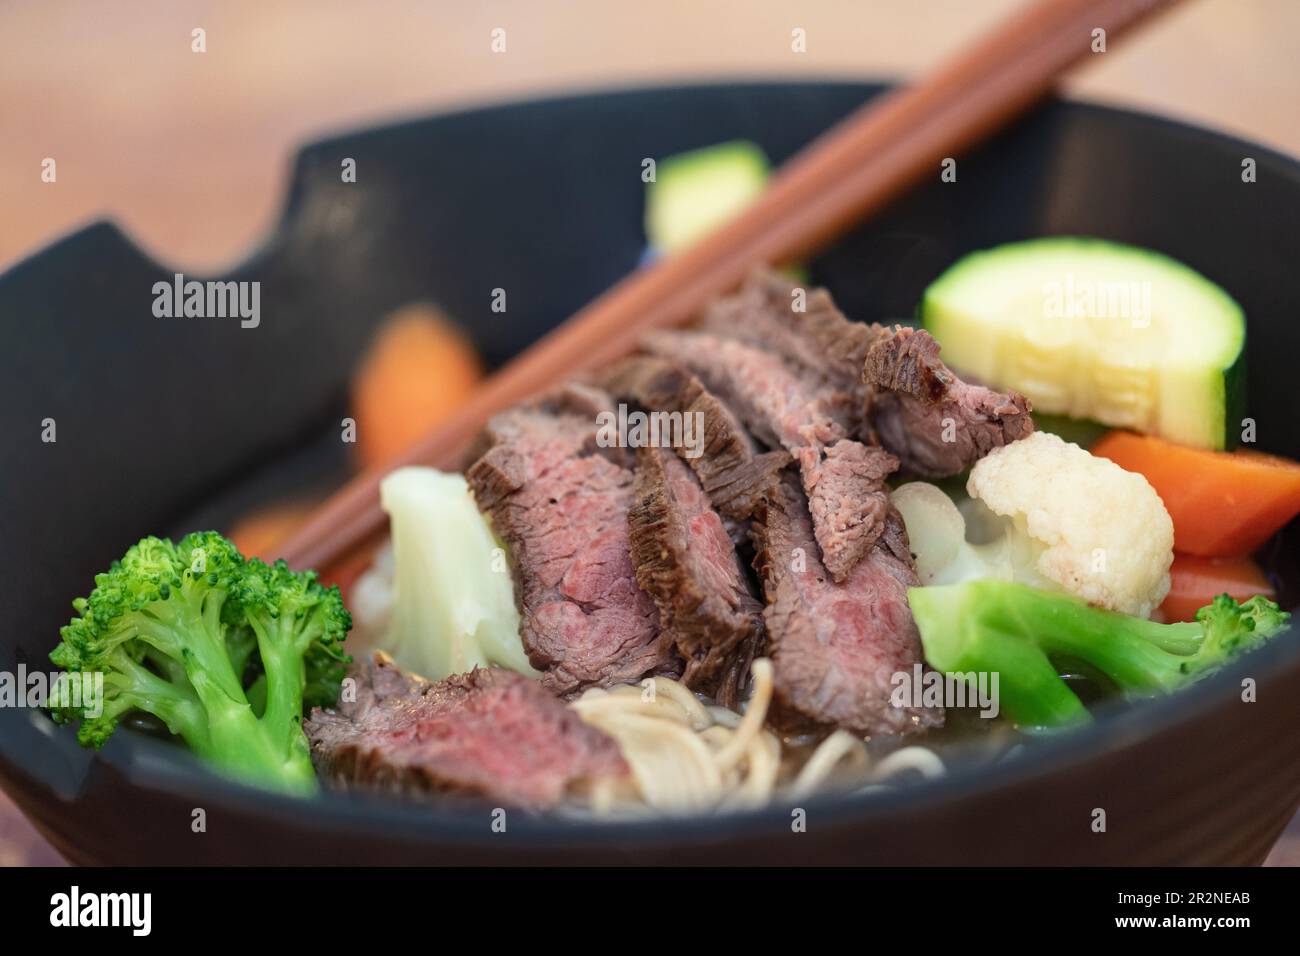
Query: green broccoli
[(220, 648), (1021, 633)]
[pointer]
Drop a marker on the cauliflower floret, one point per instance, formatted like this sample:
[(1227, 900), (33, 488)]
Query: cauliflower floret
[(1094, 529), (940, 534), (439, 598)]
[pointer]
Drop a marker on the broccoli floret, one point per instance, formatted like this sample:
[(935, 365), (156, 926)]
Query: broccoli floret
[(188, 632), (1018, 631), (300, 627)]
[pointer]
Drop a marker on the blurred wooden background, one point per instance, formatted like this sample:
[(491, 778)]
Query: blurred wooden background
[(189, 151)]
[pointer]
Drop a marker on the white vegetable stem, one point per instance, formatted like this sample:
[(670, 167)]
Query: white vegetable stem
[(936, 531), (453, 599), (1050, 515)]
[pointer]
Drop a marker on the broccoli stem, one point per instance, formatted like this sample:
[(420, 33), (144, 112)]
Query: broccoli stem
[(960, 635), (1017, 631), (286, 675), (170, 700), (192, 634), (222, 727)]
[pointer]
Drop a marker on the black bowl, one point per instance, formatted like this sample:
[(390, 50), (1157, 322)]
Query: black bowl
[(167, 424)]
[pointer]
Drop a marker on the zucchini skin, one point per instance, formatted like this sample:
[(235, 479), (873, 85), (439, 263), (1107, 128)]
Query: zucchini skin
[(966, 297), (1234, 401)]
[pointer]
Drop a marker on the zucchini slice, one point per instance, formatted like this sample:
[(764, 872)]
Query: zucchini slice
[(1097, 330), (694, 193)]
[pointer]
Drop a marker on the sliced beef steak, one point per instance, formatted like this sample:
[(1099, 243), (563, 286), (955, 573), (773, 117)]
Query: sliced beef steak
[(525, 442), (804, 325), (560, 504), (686, 561), (937, 424), (792, 408), (849, 501), (915, 405), (836, 646), (782, 404), (734, 473), (490, 733)]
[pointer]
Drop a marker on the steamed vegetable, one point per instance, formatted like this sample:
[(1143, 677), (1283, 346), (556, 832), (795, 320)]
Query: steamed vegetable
[(420, 369), (1026, 636), (694, 193), (1073, 523), (1097, 330), (453, 605), (1194, 581), (1221, 503), (225, 651), (938, 535), (258, 534)]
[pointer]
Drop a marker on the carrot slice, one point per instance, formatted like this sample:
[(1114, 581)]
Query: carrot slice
[(420, 369), (1221, 503), (259, 533), (1195, 581)]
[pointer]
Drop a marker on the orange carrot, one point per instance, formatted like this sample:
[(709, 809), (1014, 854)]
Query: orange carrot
[(259, 533), (1221, 503), (1195, 581), (419, 371)]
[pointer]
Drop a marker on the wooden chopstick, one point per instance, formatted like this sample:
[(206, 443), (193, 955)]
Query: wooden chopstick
[(854, 169)]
